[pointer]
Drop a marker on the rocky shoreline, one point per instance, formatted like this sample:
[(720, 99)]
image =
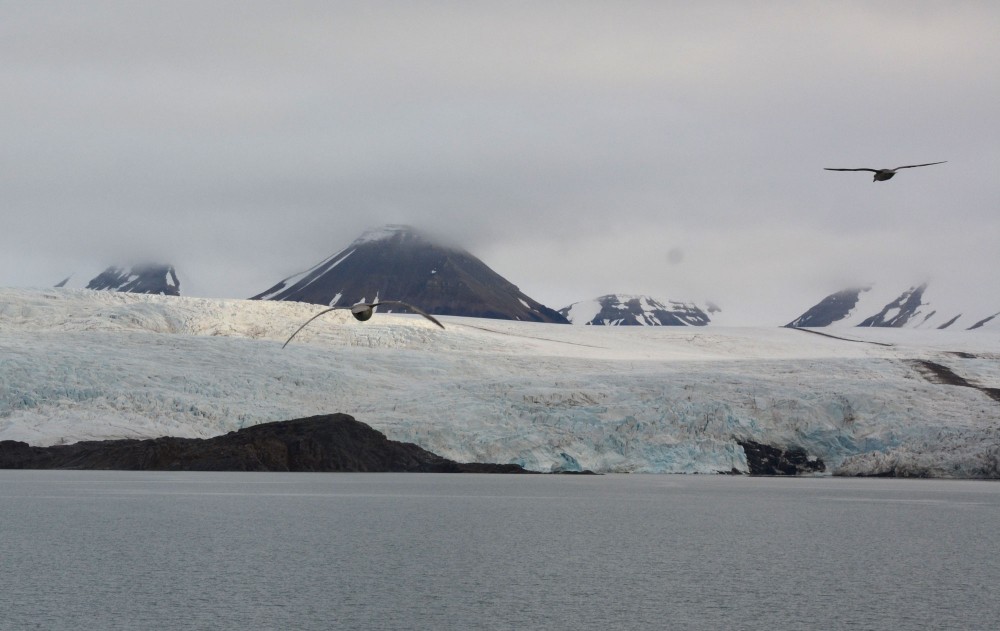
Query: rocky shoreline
[(325, 443)]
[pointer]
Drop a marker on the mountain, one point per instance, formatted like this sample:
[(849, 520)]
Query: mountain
[(621, 310), (913, 308), (833, 308), (398, 263), (150, 278)]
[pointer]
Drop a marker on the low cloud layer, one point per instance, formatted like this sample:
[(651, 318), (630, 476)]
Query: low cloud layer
[(577, 148)]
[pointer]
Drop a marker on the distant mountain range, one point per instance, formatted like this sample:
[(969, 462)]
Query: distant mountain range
[(398, 263), (401, 264), (913, 308), (618, 310)]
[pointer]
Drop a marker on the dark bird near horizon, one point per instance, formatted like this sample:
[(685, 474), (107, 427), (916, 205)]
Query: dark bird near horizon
[(363, 311), (882, 175)]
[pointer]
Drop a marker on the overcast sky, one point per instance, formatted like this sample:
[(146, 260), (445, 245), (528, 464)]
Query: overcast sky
[(674, 149)]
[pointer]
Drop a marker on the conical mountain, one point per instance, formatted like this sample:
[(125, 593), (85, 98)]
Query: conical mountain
[(398, 263)]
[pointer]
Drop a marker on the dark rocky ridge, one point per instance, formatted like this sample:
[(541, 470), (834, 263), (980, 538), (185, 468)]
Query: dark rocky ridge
[(901, 310), (326, 443)]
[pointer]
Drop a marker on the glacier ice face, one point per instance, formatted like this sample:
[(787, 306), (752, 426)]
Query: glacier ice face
[(78, 364)]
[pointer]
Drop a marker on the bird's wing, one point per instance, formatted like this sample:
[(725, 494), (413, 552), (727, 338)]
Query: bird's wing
[(307, 322), (910, 166), (411, 308), (872, 170)]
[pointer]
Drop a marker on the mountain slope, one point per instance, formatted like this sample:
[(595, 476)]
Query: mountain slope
[(397, 263), (624, 310), (919, 306), (833, 308)]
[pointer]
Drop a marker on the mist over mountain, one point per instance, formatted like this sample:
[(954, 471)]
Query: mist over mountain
[(624, 310), (398, 263)]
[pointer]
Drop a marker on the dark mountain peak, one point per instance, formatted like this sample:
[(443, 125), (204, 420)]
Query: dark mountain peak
[(833, 308), (398, 263), (624, 310), (149, 278)]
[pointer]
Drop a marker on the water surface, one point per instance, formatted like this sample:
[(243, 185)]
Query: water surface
[(123, 550)]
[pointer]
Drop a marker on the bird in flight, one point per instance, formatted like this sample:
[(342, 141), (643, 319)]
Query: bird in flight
[(363, 311), (882, 175)]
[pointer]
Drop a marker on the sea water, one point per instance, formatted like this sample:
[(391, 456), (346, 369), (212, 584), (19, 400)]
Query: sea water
[(250, 551)]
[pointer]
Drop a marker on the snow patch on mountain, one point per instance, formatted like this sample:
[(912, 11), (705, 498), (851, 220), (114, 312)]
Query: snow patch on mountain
[(583, 312)]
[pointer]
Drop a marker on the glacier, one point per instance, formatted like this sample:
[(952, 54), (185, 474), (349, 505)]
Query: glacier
[(82, 365)]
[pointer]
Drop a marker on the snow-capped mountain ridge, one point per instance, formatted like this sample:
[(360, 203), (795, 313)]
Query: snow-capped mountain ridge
[(149, 278), (902, 310), (919, 306), (623, 309)]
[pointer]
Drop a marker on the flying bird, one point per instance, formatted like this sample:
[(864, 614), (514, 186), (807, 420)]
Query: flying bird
[(363, 311), (882, 175)]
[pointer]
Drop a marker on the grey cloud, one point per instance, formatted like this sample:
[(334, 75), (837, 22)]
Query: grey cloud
[(244, 141)]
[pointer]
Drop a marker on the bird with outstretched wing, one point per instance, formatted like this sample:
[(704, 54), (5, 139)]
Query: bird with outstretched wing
[(882, 175), (363, 311)]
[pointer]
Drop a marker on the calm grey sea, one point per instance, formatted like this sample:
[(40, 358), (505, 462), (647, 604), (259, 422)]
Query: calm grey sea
[(119, 550)]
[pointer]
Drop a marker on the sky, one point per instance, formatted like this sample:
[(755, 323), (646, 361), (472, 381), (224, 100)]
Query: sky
[(673, 149)]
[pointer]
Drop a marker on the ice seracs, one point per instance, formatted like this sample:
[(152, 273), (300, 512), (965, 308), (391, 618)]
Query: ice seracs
[(91, 365), (363, 311), (882, 175)]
